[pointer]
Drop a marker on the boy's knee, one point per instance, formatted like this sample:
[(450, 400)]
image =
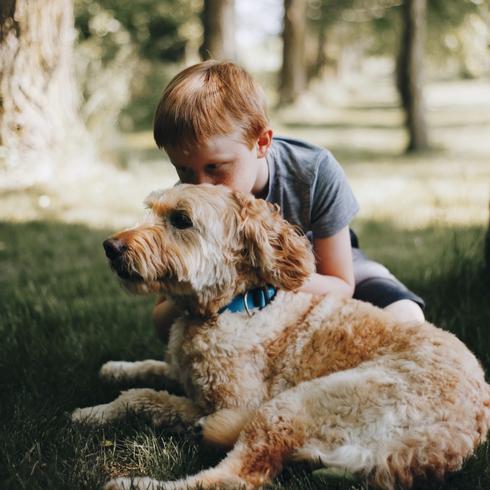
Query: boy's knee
[(406, 311)]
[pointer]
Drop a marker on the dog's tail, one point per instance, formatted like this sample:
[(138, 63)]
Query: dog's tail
[(223, 427)]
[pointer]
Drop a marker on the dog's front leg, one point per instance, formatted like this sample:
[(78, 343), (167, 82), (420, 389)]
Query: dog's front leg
[(219, 477), (160, 407), (148, 371)]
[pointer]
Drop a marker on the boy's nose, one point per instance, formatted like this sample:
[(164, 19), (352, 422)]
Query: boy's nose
[(203, 179)]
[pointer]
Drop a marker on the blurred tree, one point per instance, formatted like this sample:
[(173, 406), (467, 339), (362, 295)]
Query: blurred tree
[(160, 29), (456, 38), (410, 73), (218, 19), (322, 17), (487, 245), (316, 67), (126, 53), (459, 33), (39, 123), (293, 71)]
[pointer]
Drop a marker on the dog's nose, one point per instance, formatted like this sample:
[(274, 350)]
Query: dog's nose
[(114, 247)]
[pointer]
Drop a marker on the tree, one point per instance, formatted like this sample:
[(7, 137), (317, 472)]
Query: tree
[(218, 18), (323, 19), (160, 30), (293, 71), (487, 245), (38, 110), (410, 72)]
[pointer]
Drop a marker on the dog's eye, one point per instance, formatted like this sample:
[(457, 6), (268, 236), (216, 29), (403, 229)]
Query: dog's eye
[(180, 220)]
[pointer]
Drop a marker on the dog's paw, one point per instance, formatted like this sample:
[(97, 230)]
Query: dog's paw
[(141, 483), (98, 415), (115, 371), (119, 484), (196, 430)]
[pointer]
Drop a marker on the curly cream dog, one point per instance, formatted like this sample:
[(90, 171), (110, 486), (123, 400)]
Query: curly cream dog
[(322, 379)]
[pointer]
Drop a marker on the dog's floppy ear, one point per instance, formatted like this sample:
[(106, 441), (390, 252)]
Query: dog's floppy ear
[(275, 248)]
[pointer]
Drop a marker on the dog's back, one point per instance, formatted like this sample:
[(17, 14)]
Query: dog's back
[(410, 399)]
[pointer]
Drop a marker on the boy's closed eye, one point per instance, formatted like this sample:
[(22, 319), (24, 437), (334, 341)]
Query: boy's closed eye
[(217, 167), (209, 168)]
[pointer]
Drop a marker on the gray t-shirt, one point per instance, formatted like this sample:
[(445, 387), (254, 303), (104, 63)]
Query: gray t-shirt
[(310, 187)]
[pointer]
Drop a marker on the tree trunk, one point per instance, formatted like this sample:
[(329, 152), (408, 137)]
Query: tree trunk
[(218, 18), (410, 73), (293, 72), (38, 109), (317, 67), (487, 245)]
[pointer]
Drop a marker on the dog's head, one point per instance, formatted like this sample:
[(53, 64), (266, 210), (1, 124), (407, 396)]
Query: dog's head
[(202, 245)]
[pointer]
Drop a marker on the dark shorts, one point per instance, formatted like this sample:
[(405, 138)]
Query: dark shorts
[(375, 283)]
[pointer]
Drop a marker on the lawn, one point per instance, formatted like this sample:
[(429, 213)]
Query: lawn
[(62, 313)]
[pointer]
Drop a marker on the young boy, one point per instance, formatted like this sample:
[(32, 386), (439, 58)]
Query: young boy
[(212, 122)]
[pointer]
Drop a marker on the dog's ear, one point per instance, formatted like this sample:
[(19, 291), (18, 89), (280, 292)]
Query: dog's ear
[(280, 254)]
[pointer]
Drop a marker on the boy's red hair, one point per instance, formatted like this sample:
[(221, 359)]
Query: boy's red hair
[(208, 99)]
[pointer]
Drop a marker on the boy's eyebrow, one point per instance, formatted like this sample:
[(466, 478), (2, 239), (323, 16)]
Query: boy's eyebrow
[(216, 159)]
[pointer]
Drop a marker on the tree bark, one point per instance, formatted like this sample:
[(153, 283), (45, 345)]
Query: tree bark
[(293, 71), (218, 18), (487, 245), (317, 67), (38, 108), (410, 73)]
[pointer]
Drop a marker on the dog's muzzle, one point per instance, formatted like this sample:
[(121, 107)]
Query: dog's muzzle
[(115, 250)]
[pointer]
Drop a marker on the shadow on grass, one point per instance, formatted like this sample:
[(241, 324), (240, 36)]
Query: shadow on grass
[(64, 314)]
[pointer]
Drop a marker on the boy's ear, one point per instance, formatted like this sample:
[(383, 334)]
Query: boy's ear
[(264, 142), (273, 247)]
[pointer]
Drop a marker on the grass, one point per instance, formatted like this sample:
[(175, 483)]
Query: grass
[(63, 314)]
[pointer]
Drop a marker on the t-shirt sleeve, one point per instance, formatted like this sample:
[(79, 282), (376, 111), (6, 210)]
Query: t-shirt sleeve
[(333, 202)]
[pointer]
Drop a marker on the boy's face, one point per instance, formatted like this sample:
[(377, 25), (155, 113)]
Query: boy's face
[(226, 160)]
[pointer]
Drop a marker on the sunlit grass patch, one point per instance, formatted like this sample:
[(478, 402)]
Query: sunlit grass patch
[(363, 129), (149, 452)]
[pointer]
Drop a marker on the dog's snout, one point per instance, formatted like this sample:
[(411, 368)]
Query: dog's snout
[(114, 247)]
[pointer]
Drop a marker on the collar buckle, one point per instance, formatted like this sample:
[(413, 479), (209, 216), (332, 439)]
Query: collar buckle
[(245, 303)]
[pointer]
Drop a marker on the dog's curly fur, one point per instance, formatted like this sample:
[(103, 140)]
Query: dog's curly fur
[(322, 379)]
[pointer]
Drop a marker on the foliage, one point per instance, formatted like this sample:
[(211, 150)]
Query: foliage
[(160, 29), (460, 30), (376, 25), (126, 51)]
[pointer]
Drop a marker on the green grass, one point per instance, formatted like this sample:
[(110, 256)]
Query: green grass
[(62, 314)]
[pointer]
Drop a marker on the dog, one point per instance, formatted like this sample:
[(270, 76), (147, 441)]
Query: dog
[(293, 376)]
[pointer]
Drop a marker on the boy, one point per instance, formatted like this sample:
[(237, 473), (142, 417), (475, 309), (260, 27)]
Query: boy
[(212, 122)]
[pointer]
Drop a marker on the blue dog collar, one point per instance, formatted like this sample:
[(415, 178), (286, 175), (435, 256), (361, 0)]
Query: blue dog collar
[(251, 299)]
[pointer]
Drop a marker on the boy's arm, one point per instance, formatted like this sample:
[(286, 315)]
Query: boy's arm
[(334, 269)]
